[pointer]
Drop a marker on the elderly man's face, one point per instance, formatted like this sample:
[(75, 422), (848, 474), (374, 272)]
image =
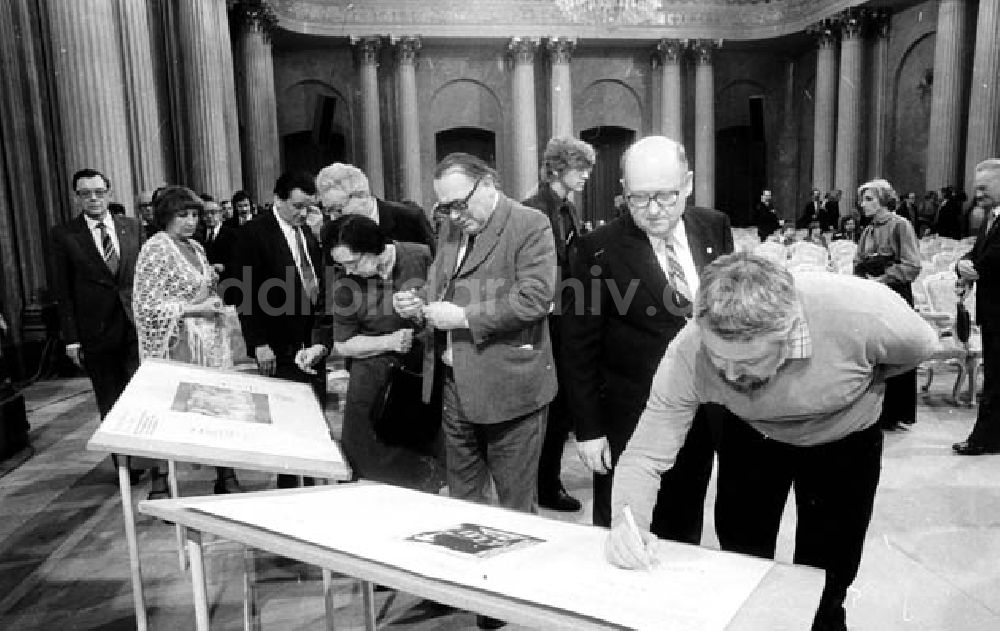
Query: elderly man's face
[(336, 201), (745, 366), (656, 187), (467, 202), (987, 188), (92, 196)]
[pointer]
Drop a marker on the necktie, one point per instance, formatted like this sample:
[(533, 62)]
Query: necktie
[(568, 227), (468, 250), (108, 249), (991, 220), (675, 273), (305, 268)]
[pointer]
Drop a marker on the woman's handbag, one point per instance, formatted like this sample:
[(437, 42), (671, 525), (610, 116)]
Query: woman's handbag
[(399, 416)]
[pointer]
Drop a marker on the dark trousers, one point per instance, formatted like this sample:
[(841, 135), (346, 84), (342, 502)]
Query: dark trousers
[(110, 372), (680, 502), (900, 403), (557, 427), (986, 431), (834, 486), (507, 452)]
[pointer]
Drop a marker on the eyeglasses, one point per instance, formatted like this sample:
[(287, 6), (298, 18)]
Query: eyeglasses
[(85, 193), (339, 208), (456, 206), (662, 198)]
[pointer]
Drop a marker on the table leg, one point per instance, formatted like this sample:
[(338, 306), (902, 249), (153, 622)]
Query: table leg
[(179, 531), (251, 614), (328, 600), (125, 483), (199, 586), (368, 601)]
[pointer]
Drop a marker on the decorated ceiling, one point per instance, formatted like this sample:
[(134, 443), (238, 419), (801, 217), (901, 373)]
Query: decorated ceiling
[(584, 19)]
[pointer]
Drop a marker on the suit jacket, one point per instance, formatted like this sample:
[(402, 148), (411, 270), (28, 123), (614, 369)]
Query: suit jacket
[(810, 213), (503, 362), (985, 257), (220, 250), (611, 346), (766, 220), (95, 307), (546, 200), (282, 317), (829, 217), (400, 222)]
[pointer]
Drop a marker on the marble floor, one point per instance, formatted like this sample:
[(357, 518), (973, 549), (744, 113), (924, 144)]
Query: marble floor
[(931, 561)]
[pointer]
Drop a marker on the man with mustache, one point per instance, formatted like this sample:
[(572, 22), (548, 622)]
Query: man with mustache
[(802, 361)]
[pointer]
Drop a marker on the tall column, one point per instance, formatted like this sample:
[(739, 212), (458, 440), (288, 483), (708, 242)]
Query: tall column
[(147, 142), (525, 125), (943, 142), (230, 113), (260, 107), (849, 112), (207, 142), (704, 124), (984, 99), (409, 116), (672, 123), (560, 53), (367, 50), (879, 106), (824, 103), (87, 64)]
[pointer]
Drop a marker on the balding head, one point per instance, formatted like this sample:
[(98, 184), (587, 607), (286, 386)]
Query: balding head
[(656, 182)]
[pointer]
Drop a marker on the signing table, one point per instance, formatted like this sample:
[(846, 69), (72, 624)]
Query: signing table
[(180, 412), (521, 568)]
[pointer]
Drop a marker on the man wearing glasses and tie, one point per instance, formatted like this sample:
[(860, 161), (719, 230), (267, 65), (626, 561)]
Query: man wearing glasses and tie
[(635, 279), (94, 263), (488, 293)]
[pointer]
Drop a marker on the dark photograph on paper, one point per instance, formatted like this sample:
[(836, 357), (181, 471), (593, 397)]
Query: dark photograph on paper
[(476, 540), (218, 402)]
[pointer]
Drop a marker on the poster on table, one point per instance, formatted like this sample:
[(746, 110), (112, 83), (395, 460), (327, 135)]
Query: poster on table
[(523, 557), (191, 413)]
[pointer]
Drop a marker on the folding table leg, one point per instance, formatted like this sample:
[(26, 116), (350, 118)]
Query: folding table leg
[(251, 614), (125, 483), (368, 601), (328, 600), (199, 585), (179, 530)]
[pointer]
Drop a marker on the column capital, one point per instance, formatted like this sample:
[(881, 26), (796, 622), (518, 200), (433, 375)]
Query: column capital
[(852, 23), (366, 48), (825, 32), (881, 21), (670, 50), (522, 49), (560, 49), (407, 49), (255, 15), (704, 49)]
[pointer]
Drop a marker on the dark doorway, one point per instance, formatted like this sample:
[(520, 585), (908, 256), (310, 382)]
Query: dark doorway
[(599, 195), (740, 173), (481, 143), (304, 151)]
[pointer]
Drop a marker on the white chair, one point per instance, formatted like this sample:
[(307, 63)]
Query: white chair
[(806, 252), (944, 260), (942, 306), (772, 250)]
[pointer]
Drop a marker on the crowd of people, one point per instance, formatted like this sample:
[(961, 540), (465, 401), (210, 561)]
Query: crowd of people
[(512, 325)]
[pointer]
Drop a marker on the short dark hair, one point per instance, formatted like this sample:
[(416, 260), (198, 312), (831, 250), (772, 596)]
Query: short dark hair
[(471, 166), (357, 233), (239, 196), (168, 201), (291, 180), (89, 173)]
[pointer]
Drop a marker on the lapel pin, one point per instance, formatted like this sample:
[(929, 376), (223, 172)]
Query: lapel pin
[(709, 250)]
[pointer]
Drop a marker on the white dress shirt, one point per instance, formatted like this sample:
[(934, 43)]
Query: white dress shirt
[(288, 230)]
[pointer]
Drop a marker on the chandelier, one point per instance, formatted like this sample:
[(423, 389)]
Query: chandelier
[(611, 11)]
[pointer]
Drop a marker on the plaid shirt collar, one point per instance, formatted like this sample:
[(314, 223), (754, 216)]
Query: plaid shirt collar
[(799, 341)]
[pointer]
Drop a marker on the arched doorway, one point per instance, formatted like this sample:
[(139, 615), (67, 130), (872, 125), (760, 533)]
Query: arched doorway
[(610, 143), (305, 151), (481, 143)]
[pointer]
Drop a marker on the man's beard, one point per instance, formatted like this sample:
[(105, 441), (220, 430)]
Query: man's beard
[(745, 384)]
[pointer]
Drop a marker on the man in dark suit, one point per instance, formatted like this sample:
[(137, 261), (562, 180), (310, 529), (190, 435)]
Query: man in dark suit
[(94, 265), (487, 296), (219, 240), (281, 325), (243, 210), (636, 278), (765, 217), (982, 267), (829, 217), (811, 211), (344, 188), (566, 166)]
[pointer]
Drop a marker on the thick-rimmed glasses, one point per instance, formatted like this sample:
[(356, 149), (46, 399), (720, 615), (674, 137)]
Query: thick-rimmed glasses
[(662, 198), (456, 206), (85, 193)]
